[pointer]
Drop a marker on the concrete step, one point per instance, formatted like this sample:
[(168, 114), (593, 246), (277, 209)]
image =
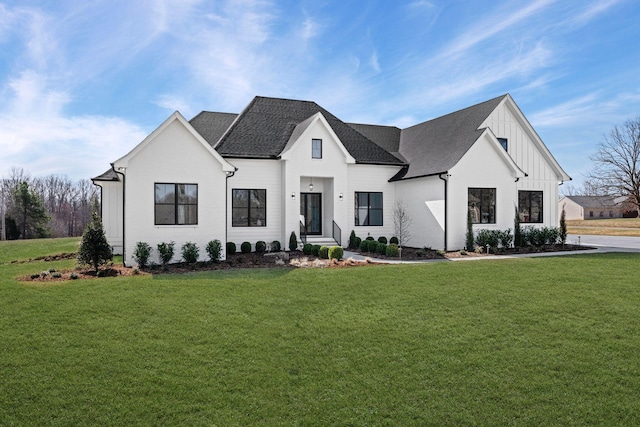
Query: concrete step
[(322, 241)]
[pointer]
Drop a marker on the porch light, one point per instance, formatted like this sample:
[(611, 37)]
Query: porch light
[(311, 185), (293, 195), (340, 196)]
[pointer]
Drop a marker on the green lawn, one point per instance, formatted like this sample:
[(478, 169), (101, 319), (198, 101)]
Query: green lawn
[(545, 341)]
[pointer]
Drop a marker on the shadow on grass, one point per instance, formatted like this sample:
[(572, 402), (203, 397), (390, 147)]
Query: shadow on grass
[(237, 273)]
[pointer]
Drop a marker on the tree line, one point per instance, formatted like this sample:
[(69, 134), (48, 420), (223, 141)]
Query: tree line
[(49, 206)]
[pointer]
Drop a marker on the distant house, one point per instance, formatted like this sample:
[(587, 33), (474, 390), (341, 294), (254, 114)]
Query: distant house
[(283, 166), (594, 207)]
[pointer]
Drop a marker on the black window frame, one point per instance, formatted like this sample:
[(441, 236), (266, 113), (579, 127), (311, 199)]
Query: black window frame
[(482, 207), (252, 216), (316, 151), (523, 211), (369, 209), (176, 204), (505, 143)]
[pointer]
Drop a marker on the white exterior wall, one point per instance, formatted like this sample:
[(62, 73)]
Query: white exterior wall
[(257, 175), (480, 167), (423, 199), (505, 122), (173, 156), (370, 178), (112, 213)]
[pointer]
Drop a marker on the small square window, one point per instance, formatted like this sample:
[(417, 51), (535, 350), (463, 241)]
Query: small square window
[(316, 148)]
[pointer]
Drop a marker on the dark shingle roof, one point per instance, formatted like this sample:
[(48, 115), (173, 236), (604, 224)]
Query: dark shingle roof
[(109, 175), (263, 129), (437, 145), (212, 125)]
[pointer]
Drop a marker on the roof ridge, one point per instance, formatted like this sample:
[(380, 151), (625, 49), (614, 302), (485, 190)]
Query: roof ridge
[(235, 123)]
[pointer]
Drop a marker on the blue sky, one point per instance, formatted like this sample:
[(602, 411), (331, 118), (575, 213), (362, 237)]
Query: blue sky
[(83, 82)]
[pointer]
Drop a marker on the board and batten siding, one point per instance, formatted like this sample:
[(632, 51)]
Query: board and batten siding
[(111, 203), (173, 156), (507, 123), (423, 199)]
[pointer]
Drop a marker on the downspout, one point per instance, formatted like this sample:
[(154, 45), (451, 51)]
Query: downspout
[(446, 198), (124, 198)]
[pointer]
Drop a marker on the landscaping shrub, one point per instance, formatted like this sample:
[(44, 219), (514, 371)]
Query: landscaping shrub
[(231, 248), (517, 231), (56, 275), (370, 238), (261, 246), (214, 250), (392, 250), (364, 246), (306, 249), (489, 238), (94, 249), (73, 276), (293, 241), (382, 239), (336, 252), (166, 252), (394, 240), (35, 276), (506, 238), (190, 253), (562, 232), (324, 252), (469, 236), (352, 240), (381, 248), (245, 247), (315, 250), (141, 254), (357, 243), (275, 246)]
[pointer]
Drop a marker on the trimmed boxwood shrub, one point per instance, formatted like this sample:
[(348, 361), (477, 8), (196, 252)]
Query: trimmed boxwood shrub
[(381, 248), (261, 246), (382, 239), (315, 250), (364, 246), (394, 240), (336, 252), (392, 250), (190, 252), (370, 238), (231, 248), (245, 247), (324, 252), (275, 246), (306, 249), (358, 241)]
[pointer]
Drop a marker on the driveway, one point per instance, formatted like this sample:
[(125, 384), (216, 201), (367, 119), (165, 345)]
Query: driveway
[(610, 243)]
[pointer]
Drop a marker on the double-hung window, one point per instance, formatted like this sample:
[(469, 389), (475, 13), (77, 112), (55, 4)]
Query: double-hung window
[(176, 204), (316, 148), (249, 208), (368, 209), (530, 206), (482, 205)]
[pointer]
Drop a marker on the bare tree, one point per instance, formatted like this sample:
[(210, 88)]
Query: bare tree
[(588, 188), (401, 223), (617, 160)]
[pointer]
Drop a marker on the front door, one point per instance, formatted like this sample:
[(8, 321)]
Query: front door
[(311, 209)]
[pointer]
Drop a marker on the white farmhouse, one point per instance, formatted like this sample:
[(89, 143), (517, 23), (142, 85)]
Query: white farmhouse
[(284, 166)]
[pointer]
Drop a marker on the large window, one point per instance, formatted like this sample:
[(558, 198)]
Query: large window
[(368, 209), (482, 205), (176, 204), (316, 148), (530, 206), (249, 208)]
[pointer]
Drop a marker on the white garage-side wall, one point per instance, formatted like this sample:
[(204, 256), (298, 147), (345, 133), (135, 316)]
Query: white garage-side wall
[(111, 202), (423, 199), (370, 178), (172, 154), (256, 174), (531, 155), (481, 167)]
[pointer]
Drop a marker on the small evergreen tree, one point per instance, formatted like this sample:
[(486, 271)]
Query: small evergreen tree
[(94, 249), (469, 235), (293, 241), (352, 240), (517, 230), (563, 227)]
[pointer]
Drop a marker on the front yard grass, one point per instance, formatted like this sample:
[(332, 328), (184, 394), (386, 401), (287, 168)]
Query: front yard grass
[(546, 341), (606, 227)]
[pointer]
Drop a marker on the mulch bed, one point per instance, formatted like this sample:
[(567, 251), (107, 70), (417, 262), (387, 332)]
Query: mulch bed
[(258, 260)]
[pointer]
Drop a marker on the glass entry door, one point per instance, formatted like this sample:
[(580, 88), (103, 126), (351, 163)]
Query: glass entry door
[(311, 209)]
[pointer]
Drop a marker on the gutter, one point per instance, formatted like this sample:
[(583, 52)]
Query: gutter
[(226, 209), (446, 198)]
